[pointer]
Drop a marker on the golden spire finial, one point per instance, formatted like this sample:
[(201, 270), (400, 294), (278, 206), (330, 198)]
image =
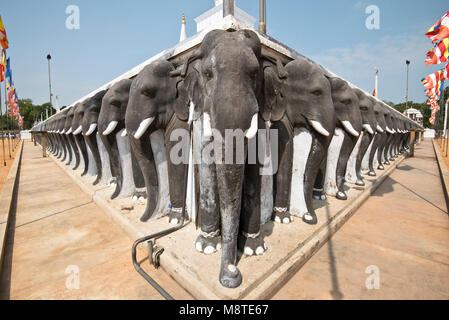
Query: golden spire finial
[(183, 18)]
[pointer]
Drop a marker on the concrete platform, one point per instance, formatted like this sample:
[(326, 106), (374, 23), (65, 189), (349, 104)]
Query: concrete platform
[(289, 246)]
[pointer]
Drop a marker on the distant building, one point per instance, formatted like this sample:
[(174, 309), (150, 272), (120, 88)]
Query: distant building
[(414, 114)]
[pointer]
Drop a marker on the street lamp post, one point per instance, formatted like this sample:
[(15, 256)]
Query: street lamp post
[(49, 83), (407, 62)]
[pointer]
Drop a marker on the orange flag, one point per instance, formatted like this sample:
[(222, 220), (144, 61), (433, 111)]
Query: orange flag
[(3, 37)]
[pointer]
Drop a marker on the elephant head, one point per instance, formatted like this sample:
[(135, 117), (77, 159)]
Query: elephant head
[(111, 120), (91, 107), (346, 103), (366, 105), (380, 117)]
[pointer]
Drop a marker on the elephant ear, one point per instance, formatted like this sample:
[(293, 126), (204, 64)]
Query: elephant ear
[(181, 101), (273, 108)]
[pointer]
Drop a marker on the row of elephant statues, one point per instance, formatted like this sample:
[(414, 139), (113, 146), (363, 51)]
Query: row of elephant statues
[(321, 123)]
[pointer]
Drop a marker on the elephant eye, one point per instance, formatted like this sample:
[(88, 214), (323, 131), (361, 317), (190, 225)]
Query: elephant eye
[(346, 102), (116, 103), (364, 108), (208, 73), (147, 93), (317, 92)]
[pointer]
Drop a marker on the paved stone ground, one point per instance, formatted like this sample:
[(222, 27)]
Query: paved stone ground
[(56, 226), (403, 230)]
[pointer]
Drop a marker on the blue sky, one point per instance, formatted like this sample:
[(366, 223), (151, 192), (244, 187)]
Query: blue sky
[(115, 36)]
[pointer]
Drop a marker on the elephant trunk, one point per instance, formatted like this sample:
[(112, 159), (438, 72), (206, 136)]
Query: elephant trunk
[(230, 182), (145, 158)]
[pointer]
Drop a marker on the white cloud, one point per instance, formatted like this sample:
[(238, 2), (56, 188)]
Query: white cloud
[(358, 5), (356, 64)]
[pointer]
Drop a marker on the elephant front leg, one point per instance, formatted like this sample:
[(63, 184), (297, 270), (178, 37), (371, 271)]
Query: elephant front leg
[(145, 158), (318, 187), (75, 151), (380, 151), (283, 177), (250, 240), (82, 145)]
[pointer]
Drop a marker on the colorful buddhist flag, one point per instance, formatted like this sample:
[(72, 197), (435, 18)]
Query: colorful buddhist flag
[(3, 37), (439, 53), (440, 29), (2, 66)]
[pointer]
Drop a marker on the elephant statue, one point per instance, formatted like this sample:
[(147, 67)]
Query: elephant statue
[(348, 128), (78, 112), (111, 120), (366, 105), (225, 90), (90, 110), (290, 91), (70, 137)]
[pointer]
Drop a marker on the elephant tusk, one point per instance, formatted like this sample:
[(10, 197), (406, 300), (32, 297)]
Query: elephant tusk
[(111, 126), (368, 128), (348, 126), (394, 131), (191, 110), (92, 128), (389, 130), (253, 128), (319, 128), (124, 133), (78, 131), (206, 126), (63, 131), (379, 128), (69, 131), (143, 127)]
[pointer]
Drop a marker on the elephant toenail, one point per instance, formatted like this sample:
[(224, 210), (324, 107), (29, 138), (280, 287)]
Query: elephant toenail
[(174, 221), (308, 217), (277, 219), (134, 198), (232, 268), (218, 246), (286, 220), (209, 250), (141, 198), (259, 251), (199, 247), (248, 251)]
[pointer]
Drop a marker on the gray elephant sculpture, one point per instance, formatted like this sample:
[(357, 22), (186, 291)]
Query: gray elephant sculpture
[(111, 120), (290, 91)]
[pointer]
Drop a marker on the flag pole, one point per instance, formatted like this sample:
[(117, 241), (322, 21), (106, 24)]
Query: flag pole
[(2, 131), (7, 122)]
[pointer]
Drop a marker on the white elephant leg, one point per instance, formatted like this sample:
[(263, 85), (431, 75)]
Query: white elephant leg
[(365, 159), (333, 153), (92, 168), (105, 164), (302, 142), (351, 175), (158, 147)]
